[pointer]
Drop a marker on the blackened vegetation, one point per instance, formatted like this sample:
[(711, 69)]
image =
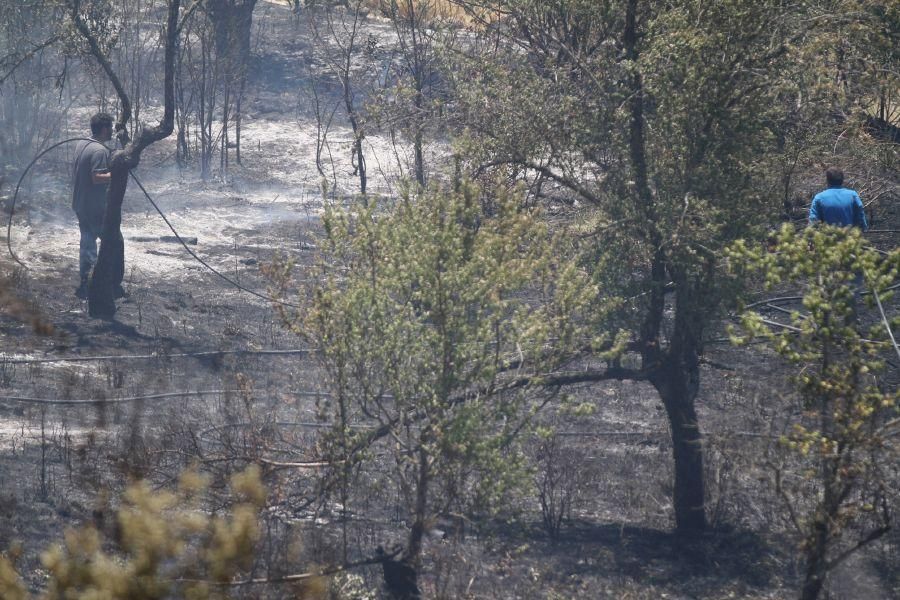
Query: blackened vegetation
[(883, 129), (232, 22), (13, 303), (400, 576)]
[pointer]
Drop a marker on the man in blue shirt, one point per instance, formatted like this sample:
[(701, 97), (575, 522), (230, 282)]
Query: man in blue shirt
[(837, 205)]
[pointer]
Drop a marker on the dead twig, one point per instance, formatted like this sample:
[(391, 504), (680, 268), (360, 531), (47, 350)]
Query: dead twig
[(887, 323)]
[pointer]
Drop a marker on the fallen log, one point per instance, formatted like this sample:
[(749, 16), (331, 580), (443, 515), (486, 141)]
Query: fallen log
[(169, 239)]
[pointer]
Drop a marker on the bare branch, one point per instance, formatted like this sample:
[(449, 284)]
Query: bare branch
[(297, 465), (187, 15), (97, 52), (870, 537), (567, 182), (774, 300), (53, 39), (887, 323)]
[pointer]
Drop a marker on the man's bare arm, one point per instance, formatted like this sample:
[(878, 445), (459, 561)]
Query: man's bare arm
[(100, 178)]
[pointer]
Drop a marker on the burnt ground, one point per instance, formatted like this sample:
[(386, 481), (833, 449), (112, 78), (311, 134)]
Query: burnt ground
[(60, 464)]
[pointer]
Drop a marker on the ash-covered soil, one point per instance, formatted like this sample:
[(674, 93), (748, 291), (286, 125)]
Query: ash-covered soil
[(616, 545)]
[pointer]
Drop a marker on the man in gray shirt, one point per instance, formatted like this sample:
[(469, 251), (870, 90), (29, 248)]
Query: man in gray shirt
[(89, 184)]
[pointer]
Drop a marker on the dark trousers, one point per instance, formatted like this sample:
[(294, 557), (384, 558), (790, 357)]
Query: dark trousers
[(87, 250)]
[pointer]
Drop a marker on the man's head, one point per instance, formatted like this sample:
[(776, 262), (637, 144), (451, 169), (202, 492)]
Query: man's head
[(834, 176), (101, 126)]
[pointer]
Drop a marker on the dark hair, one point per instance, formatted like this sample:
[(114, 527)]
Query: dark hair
[(100, 121), (834, 176)]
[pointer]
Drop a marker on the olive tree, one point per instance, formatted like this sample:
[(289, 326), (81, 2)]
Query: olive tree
[(659, 121)]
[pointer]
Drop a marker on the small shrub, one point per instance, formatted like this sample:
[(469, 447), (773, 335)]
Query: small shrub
[(559, 480), (165, 546)]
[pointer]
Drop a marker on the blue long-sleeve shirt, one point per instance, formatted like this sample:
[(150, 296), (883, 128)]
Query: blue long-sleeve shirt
[(838, 206)]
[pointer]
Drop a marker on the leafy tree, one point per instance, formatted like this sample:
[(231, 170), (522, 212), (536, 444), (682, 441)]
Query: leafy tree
[(844, 436), (662, 118), (432, 320), (858, 56), (839, 103)]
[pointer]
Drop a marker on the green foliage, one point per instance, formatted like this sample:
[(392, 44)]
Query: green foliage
[(857, 42), (432, 319), (737, 102), (709, 87), (842, 438), (166, 546), (684, 126), (659, 117)]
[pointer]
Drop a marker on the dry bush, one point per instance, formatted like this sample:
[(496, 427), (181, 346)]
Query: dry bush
[(165, 544), (446, 11), (12, 303), (559, 480)]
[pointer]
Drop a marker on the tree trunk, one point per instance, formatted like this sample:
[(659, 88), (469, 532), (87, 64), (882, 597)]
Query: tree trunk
[(110, 268), (819, 536), (206, 105), (418, 154), (358, 150), (816, 563), (223, 148), (418, 126), (678, 393), (233, 24), (401, 576), (420, 511), (245, 29), (674, 372), (237, 125)]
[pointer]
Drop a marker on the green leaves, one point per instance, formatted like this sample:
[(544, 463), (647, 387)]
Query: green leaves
[(434, 315), (437, 285), (835, 266), (838, 442), (167, 546)]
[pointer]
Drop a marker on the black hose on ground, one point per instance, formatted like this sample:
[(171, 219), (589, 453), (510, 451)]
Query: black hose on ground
[(12, 206), (12, 210), (200, 260)]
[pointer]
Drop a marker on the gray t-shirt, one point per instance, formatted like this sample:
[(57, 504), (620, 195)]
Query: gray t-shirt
[(89, 198)]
